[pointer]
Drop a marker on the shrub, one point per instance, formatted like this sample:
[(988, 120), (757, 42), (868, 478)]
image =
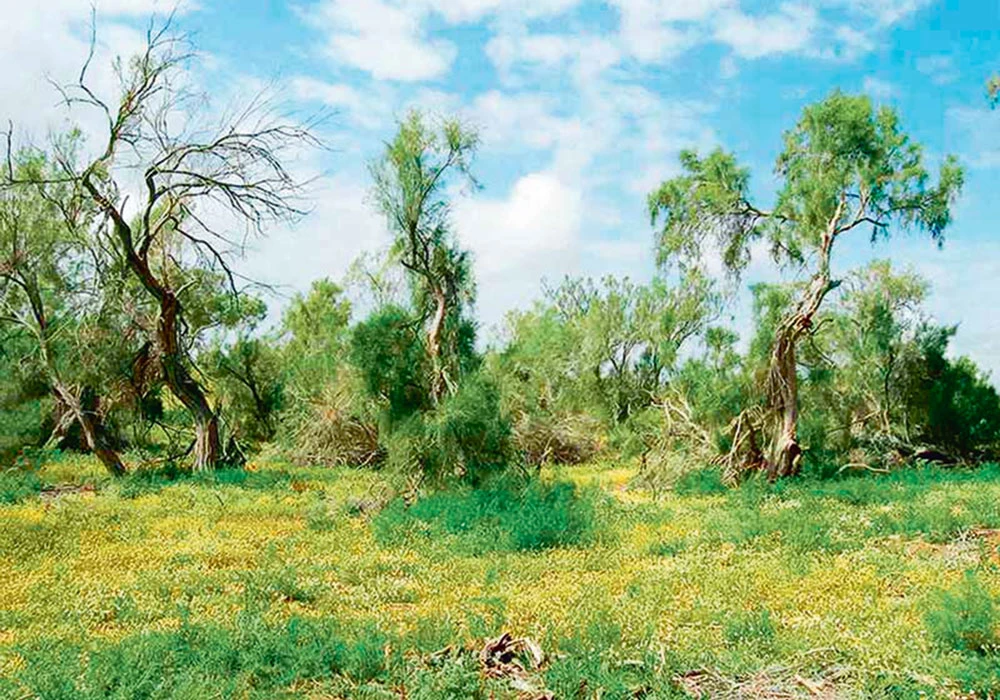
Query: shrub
[(471, 434), (501, 516), (547, 438), (465, 439), (18, 484), (390, 355), (964, 618), (338, 428), (552, 515), (701, 482)]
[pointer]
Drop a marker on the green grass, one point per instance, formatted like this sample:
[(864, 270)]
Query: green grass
[(282, 581)]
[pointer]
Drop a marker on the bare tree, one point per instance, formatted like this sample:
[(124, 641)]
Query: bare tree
[(193, 179)]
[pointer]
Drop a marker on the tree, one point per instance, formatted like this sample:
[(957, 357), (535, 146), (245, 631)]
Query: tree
[(315, 329), (410, 185), (197, 182), (871, 326), (42, 266), (629, 335), (845, 166)]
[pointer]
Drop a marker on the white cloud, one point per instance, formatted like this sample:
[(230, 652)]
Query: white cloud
[(325, 242), (650, 30), (382, 38), (940, 68), (584, 57), (540, 216), (878, 88), (885, 12), (975, 132), (532, 232), (370, 109), (389, 40), (463, 11), (753, 36)]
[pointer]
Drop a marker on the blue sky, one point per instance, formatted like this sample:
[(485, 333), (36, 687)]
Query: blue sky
[(583, 107)]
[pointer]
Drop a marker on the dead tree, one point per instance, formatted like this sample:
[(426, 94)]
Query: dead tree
[(210, 185)]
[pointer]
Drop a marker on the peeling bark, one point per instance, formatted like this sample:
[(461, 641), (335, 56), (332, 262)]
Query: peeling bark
[(438, 383), (185, 387)]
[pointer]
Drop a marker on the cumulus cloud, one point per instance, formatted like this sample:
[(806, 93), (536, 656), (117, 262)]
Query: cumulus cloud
[(754, 36), (878, 88), (650, 30), (384, 39), (940, 68), (533, 231), (462, 11), (341, 225)]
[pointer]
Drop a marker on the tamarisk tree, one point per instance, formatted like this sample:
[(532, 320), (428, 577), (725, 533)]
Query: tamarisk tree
[(206, 187), (845, 168), (43, 276), (410, 183)]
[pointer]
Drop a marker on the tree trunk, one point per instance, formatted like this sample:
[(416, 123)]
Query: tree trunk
[(94, 433), (182, 385), (434, 346), (786, 453), (783, 388), (185, 387)]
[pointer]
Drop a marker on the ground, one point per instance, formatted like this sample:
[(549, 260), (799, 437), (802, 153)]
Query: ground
[(285, 581)]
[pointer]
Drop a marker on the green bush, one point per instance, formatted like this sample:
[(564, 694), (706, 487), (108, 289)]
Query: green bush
[(465, 439), (500, 516), (18, 484), (252, 660), (964, 618), (390, 354), (472, 434), (702, 482)]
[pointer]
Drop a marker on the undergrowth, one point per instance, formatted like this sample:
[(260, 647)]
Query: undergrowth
[(504, 515)]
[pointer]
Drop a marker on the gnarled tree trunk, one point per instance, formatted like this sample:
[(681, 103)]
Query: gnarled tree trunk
[(178, 379), (185, 387), (95, 434), (785, 453), (438, 384)]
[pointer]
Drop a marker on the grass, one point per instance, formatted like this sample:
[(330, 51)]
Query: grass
[(285, 582)]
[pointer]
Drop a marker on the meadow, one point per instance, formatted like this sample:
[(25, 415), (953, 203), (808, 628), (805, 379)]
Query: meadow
[(282, 581)]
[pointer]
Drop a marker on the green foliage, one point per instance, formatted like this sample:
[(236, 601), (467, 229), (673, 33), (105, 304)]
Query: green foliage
[(709, 197), (950, 403), (464, 439), (472, 436), (18, 484), (249, 379), (392, 360), (254, 659), (964, 618), (701, 482), (499, 516), (315, 332)]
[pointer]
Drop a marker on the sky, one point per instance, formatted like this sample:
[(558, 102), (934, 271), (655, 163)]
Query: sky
[(582, 106)]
